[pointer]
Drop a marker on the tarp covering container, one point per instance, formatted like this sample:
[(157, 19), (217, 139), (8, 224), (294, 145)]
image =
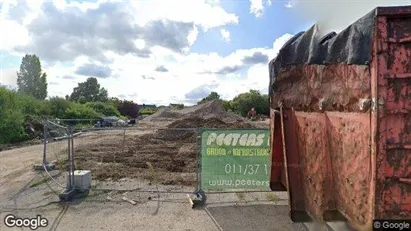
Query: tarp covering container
[(341, 121)]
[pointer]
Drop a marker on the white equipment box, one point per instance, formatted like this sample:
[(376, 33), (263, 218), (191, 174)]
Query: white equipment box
[(82, 179)]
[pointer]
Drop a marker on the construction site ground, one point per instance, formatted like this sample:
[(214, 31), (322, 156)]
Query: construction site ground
[(119, 161)]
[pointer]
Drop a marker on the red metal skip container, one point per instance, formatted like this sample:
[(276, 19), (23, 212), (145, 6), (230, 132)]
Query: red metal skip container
[(341, 120)]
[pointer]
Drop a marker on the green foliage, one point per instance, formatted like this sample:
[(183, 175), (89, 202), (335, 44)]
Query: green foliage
[(114, 101), (81, 111), (32, 107), (103, 108), (147, 111), (179, 106), (11, 118), (243, 102), (30, 79), (58, 107), (212, 96), (227, 105), (89, 91)]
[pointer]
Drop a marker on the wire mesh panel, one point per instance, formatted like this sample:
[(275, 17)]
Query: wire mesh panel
[(56, 151), (56, 146), (147, 156)]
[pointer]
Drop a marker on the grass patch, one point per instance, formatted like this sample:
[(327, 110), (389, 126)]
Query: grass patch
[(240, 196), (272, 197)]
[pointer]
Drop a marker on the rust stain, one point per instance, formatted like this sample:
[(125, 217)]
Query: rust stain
[(340, 85)]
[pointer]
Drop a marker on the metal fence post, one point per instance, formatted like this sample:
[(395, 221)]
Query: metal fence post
[(69, 158), (72, 155), (44, 141), (198, 168)]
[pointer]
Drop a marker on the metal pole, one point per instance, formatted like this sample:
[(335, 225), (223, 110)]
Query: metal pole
[(44, 141), (69, 158), (72, 156), (198, 165)]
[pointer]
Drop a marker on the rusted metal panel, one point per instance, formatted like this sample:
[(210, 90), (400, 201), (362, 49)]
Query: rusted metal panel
[(349, 129), (393, 186), (312, 138), (394, 11), (277, 178), (292, 166), (349, 136), (314, 88)]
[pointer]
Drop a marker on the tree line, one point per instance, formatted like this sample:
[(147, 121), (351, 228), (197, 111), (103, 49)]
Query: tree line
[(243, 102), (28, 105)]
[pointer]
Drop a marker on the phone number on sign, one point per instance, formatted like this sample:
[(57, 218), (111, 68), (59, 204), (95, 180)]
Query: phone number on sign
[(247, 169)]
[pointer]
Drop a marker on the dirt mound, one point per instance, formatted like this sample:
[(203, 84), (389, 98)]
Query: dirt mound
[(176, 130), (195, 122), (211, 109), (163, 114)]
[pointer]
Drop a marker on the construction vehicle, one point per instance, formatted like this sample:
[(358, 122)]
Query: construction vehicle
[(341, 121)]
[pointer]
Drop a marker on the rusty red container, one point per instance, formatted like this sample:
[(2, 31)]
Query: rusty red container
[(341, 121)]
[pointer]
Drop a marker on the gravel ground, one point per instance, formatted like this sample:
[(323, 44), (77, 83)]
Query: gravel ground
[(105, 209)]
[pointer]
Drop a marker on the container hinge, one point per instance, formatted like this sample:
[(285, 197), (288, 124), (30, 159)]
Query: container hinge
[(377, 104)]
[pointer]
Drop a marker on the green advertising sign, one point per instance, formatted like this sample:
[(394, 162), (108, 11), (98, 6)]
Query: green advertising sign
[(235, 159)]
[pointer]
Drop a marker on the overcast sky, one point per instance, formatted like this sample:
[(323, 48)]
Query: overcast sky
[(162, 51)]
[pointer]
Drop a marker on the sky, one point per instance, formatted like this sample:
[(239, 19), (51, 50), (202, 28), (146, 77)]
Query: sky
[(162, 51)]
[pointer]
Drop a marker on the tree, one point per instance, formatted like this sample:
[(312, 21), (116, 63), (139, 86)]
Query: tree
[(243, 102), (89, 91), (128, 108), (103, 108), (59, 106), (114, 101), (11, 118), (212, 96), (227, 105), (81, 111), (30, 79)]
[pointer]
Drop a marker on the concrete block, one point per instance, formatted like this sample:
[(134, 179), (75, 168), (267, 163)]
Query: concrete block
[(49, 167), (82, 179)]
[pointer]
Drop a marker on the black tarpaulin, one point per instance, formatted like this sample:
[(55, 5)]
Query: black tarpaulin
[(351, 46)]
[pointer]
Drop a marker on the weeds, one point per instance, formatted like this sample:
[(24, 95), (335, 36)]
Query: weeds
[(272, 197), (240, 196)]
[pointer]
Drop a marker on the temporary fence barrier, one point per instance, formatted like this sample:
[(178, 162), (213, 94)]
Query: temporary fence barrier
[(199, 159)]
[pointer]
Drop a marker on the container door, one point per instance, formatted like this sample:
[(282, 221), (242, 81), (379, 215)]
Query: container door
[(393, 107), (277, 178)]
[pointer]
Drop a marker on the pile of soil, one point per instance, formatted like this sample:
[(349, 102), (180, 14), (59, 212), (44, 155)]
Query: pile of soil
[(164, 114), (176, 130), (211, 109), (196, 122)]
